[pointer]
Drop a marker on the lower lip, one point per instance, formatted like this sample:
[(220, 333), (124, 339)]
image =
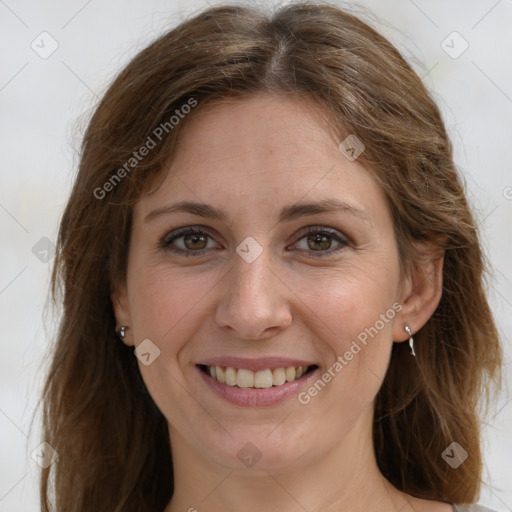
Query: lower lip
[(253, 397)]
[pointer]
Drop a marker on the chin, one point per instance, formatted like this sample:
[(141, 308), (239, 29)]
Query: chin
[(257, 450)]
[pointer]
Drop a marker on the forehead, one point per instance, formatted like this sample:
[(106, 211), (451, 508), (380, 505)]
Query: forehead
[(259, 129), (262, 152)]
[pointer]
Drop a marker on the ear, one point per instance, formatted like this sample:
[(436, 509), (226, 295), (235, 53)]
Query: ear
[(121, 307), (422, 290)]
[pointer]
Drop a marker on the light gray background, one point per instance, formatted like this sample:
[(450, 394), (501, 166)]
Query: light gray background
[(42, 101)]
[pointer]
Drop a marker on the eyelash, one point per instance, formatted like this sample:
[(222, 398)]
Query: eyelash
[(167, 240)]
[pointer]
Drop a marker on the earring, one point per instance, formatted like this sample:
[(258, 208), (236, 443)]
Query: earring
[(411, 339), (122, 332)]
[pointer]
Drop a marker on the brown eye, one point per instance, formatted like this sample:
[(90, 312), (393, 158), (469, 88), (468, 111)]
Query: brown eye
[(187, 241), (195, 241), (321, 240)]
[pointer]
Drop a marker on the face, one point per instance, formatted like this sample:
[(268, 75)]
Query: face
[(265, 288)]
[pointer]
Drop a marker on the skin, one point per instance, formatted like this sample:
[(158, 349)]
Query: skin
[(251, 158)]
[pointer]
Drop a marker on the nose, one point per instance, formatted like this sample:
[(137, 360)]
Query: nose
[(254, 301)]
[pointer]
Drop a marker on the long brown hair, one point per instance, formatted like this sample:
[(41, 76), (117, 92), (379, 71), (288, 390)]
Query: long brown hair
[(112, 441)]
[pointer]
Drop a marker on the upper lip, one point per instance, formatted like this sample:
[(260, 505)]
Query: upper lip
[(261, 363)]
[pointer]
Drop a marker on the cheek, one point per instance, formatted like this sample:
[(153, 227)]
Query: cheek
[(163, 301), (359, 344), (355, 313), (165, 305), (352, 300)]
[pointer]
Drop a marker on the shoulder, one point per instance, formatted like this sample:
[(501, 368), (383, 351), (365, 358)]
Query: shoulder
[(471, 508), (420, 505)]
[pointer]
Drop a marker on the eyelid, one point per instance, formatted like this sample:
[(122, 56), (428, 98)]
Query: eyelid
[(167, 239), (336, 235), (185, 230)]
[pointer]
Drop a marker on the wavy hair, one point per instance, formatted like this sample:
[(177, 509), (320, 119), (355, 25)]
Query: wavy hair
[(112, 441)]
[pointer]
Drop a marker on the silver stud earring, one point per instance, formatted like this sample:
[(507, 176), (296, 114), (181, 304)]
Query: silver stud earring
[(411, 339), (122, 332)]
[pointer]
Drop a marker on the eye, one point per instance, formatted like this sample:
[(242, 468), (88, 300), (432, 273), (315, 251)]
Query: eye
[(194, 241), (190, 241), (319, 240)]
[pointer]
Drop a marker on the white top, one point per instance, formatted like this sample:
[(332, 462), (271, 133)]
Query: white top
[(471, 508)]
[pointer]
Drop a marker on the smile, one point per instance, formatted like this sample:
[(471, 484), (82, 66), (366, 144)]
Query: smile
[(261, 379)]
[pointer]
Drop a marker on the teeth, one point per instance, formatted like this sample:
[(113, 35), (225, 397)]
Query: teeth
[(290, 373), (262, 379), (230, 376), (221, 374), (278, 376), (245, 378)]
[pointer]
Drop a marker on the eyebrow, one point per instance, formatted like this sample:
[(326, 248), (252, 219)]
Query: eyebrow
[(287, 214)]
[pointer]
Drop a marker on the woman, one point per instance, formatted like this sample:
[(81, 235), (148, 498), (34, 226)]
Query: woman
[(272, 283)]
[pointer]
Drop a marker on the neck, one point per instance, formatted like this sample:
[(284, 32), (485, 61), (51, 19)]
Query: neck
[(346, 478)]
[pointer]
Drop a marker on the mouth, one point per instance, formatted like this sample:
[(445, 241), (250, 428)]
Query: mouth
[(261, 379)]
